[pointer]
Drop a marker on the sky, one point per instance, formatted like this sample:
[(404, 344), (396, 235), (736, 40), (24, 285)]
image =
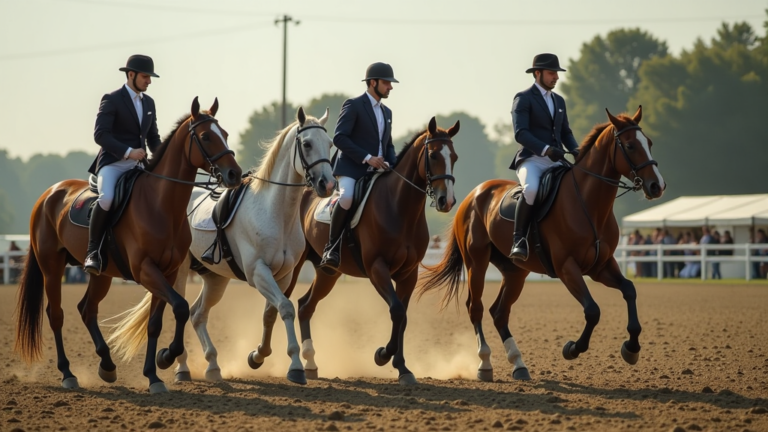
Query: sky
[(58, 57)]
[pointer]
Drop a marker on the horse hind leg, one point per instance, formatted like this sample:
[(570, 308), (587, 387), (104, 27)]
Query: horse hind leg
[(256, 357), (571, 276), (611, 277), (477, 264), (98, 287), (513, 280), (214, 287)]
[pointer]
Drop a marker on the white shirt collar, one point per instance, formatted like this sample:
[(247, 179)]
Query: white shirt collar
[(133, 93), (544, 92), (374, 102)]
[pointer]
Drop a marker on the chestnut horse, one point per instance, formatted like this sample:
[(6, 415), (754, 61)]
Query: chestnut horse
[(392, 237), (153, 236), (580, 232)]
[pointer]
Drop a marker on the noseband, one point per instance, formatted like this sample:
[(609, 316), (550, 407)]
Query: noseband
[(636, 180), (430, 178), (213, 169)]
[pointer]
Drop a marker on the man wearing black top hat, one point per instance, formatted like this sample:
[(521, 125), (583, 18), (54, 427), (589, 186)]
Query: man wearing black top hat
[(541, 128), (364, 138), (125, 124)]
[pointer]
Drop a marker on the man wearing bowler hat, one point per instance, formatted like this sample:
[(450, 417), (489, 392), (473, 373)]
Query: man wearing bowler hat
[(125, 125), (541, 128), (364, 138)]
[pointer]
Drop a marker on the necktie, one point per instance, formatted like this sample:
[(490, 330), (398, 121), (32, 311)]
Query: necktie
[(137, 105)]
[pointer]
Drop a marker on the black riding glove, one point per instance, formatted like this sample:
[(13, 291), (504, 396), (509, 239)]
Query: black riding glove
[(575, 153), (555, 154)]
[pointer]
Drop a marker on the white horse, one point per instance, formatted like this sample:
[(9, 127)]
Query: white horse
[(267, 242)]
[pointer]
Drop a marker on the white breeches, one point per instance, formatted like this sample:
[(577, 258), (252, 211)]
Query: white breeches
[(346, 191), (529, 173), (107, 180)]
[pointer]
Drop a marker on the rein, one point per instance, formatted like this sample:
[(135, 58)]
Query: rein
[(214, 170), (306, 166)]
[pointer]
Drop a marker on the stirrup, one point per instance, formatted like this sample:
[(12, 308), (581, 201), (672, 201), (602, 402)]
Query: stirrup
[(92, 263), (518, 248)]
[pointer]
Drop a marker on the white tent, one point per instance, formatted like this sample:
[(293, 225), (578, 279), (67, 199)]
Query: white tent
[(695, 211)]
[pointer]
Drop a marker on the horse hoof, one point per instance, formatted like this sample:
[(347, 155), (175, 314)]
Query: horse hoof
[(628, 355), (380, 357), (297, 376), (407, 379), (158, 387), (521, 374), (160, 359), (252, 363), (183, 376), (569, 350), (311, 374), (213, 375), (70, 383), (108, 376), (485, 375)]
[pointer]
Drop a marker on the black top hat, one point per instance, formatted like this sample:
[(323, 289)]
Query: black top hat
[(380, 71), (545, 61), (141, 64)]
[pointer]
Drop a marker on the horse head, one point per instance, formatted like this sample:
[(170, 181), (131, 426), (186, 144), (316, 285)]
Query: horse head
[(312, 153), (437, 168), (211, 152), (637, 164)]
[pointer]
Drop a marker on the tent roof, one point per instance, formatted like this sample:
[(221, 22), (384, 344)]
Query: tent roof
[(691, 211)]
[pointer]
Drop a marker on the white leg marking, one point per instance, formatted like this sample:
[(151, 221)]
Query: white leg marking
[(484, 352), (514, 356)]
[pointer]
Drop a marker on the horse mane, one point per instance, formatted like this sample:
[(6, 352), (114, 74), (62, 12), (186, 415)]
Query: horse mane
[(157, 155), (441, 133), (267, 163), (591, 140)]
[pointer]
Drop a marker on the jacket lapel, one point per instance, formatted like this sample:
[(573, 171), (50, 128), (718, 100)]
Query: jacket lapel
[(131, 107), (369, 110), (537, 95), (387, 124)]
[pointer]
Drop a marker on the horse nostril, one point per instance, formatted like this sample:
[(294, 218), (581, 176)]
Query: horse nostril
[(441, 202), (321, 184), (655, 189)]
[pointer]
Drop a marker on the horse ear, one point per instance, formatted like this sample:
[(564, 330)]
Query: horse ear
[(432, 128), (324, 118), (614, 121), (195, 108), (214, 108), (638, 114), (301, 117), (454, 129)]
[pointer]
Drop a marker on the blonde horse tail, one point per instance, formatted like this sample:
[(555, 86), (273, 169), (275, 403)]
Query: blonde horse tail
[(130, 333)]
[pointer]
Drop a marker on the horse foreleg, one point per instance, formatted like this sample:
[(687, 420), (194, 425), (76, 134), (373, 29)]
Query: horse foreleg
[(213, 290), (610, 275), (98, 287), (182, 372), (380, 278), (269, 288), (320, 288), (570, 274), (511, 287)]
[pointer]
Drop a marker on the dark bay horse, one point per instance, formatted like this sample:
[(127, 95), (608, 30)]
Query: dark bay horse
[(392, 235), (153, 236), (580, 232)]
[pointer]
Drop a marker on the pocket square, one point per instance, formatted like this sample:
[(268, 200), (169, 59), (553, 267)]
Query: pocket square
[(150, 113), (560, 110), (389, 120)]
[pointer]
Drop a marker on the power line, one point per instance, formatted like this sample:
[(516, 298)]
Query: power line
[(92, 48), (174, 9)]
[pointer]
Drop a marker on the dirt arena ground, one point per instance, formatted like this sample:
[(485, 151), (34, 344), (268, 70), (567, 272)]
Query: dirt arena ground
[(703, 367)]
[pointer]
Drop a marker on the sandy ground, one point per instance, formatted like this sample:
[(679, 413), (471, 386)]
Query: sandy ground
[(703, 366)]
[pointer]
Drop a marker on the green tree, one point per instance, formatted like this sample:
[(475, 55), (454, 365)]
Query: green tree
[(606, 76), (6, 214), (706, 111), (264, 124)]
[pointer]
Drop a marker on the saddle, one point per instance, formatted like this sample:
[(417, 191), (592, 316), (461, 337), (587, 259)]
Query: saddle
[(82, 206), (548, 189), (224, 211), (359, 198)]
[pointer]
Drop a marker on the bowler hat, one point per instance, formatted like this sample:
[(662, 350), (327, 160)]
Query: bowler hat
[(141, 64), (545, 61)]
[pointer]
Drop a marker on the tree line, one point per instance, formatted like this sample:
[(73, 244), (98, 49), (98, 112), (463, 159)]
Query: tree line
[(704, 109)]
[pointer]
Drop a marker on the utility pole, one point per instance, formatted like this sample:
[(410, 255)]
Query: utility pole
[(285, 20)]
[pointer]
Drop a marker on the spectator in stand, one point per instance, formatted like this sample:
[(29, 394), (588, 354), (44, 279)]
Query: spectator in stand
[(692, 268), (669, 267), (759, 269), (435, 242), (636, 240), (650, 267), (15, 263), (716, 265), (706, 238)]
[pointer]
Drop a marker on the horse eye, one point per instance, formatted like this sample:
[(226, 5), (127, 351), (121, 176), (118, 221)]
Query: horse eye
[(204, 136), (433, 155), (307, 145)]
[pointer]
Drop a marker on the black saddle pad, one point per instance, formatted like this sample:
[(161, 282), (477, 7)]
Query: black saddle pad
[(548, 188), (80, 210)]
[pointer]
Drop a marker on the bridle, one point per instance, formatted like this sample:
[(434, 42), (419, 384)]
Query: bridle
[(305, 165), (430, 191), (213, 170)]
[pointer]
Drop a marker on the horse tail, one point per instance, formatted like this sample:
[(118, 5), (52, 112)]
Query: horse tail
[(450, 270), (130, 333), (29, 311)]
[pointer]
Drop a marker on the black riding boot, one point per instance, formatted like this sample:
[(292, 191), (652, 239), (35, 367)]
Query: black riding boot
[(523, 214), (331, 253), (96, 229)]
